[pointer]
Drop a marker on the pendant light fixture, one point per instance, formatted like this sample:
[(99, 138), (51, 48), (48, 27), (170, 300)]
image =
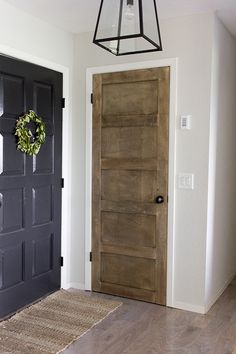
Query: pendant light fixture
[(128, 27)]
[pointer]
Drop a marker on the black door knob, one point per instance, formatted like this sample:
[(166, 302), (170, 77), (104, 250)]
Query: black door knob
[(159, 199)]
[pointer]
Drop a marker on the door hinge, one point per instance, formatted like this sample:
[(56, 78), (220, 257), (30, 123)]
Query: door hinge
[(91, 98), (90, 256), (62, 261), (63, 102), (62, 183)]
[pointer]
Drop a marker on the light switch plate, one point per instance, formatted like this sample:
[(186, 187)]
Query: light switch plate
[(186, 181), (185, 122)]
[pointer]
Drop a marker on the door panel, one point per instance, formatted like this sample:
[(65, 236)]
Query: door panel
[(42, 205), (42, 254), (132, 142), (128, 229), (12, 212), (12, 86), (30, 187), (130, 165), (137, 186), (130, 97), (135, 272)]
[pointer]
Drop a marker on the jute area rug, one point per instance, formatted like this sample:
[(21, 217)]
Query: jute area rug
[(52, 324)]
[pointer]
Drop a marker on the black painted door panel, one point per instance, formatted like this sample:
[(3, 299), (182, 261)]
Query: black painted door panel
[(30, 187)]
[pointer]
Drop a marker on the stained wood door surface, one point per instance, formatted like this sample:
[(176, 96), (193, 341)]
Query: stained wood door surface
[(130, 170), (30, 187)]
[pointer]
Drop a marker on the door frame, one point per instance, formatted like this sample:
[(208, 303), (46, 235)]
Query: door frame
[(66, 151), (172, 63)]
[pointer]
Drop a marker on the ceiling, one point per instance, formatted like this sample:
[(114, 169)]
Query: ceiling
[(80, 15)]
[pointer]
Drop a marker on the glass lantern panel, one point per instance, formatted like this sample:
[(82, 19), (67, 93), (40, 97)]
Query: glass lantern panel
[(134, 45), (150, 25), (130, 21), (109, 19), (118, 18), (112, 46)]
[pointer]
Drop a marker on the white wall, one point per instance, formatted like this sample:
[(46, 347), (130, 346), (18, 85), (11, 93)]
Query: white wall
[(221, 236), (28, 38), (205, 73), (190, 39), (31, 35)]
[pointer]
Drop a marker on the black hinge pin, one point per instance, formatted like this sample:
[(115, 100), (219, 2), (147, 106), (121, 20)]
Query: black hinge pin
[(63, 102), (62, 183), (90, 256), (91, 98), (62, 261)]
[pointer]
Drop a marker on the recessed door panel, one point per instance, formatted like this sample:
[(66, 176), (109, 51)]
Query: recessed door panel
[(130, 97), (138, 186), (43, 100), (42, 255), (128, 229), (127, 142), (43, 163), (12, 265), (133, 272), (11, 163), (12, 98), (11, 210), (42, 204)]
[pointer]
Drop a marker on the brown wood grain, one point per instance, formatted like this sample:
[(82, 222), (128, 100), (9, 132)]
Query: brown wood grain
[(129, 229), (129, 207), (129, 142), (130, 98), (119, 270), (131, 251), (130, 164), (130, 169), (142, 328), (136, 186), (130, 120)]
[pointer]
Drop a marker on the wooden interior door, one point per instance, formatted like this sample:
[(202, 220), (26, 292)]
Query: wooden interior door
[(130, 182)]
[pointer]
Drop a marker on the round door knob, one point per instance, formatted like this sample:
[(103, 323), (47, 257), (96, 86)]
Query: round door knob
[(159, 199)]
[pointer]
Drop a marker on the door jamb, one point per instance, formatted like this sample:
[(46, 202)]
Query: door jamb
[(66, 151), (172, 63)]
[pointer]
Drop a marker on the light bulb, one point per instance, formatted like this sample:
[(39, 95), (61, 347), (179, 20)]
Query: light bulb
[(129, 11)]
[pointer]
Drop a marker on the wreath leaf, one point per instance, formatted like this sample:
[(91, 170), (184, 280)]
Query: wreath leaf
[(25, 135)]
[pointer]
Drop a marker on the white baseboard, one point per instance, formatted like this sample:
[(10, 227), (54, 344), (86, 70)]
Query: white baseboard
[(79, 286), (177, 304), (189, 307), (218, 294), (203, 309)]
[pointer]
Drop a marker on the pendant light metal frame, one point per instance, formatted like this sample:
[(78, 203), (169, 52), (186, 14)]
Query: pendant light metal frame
[(100, 41)]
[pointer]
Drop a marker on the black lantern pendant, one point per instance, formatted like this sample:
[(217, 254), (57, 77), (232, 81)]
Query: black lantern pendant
[(128, 27)]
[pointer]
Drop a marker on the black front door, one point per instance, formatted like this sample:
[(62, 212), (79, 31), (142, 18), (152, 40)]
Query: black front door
[(30, 187)]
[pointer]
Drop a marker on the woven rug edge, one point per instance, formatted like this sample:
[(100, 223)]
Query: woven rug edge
[(88, 330)]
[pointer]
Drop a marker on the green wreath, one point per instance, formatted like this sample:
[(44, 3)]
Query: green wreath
[(28, 142)]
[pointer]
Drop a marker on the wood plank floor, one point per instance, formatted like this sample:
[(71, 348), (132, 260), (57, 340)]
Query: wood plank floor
[(142, 328)]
